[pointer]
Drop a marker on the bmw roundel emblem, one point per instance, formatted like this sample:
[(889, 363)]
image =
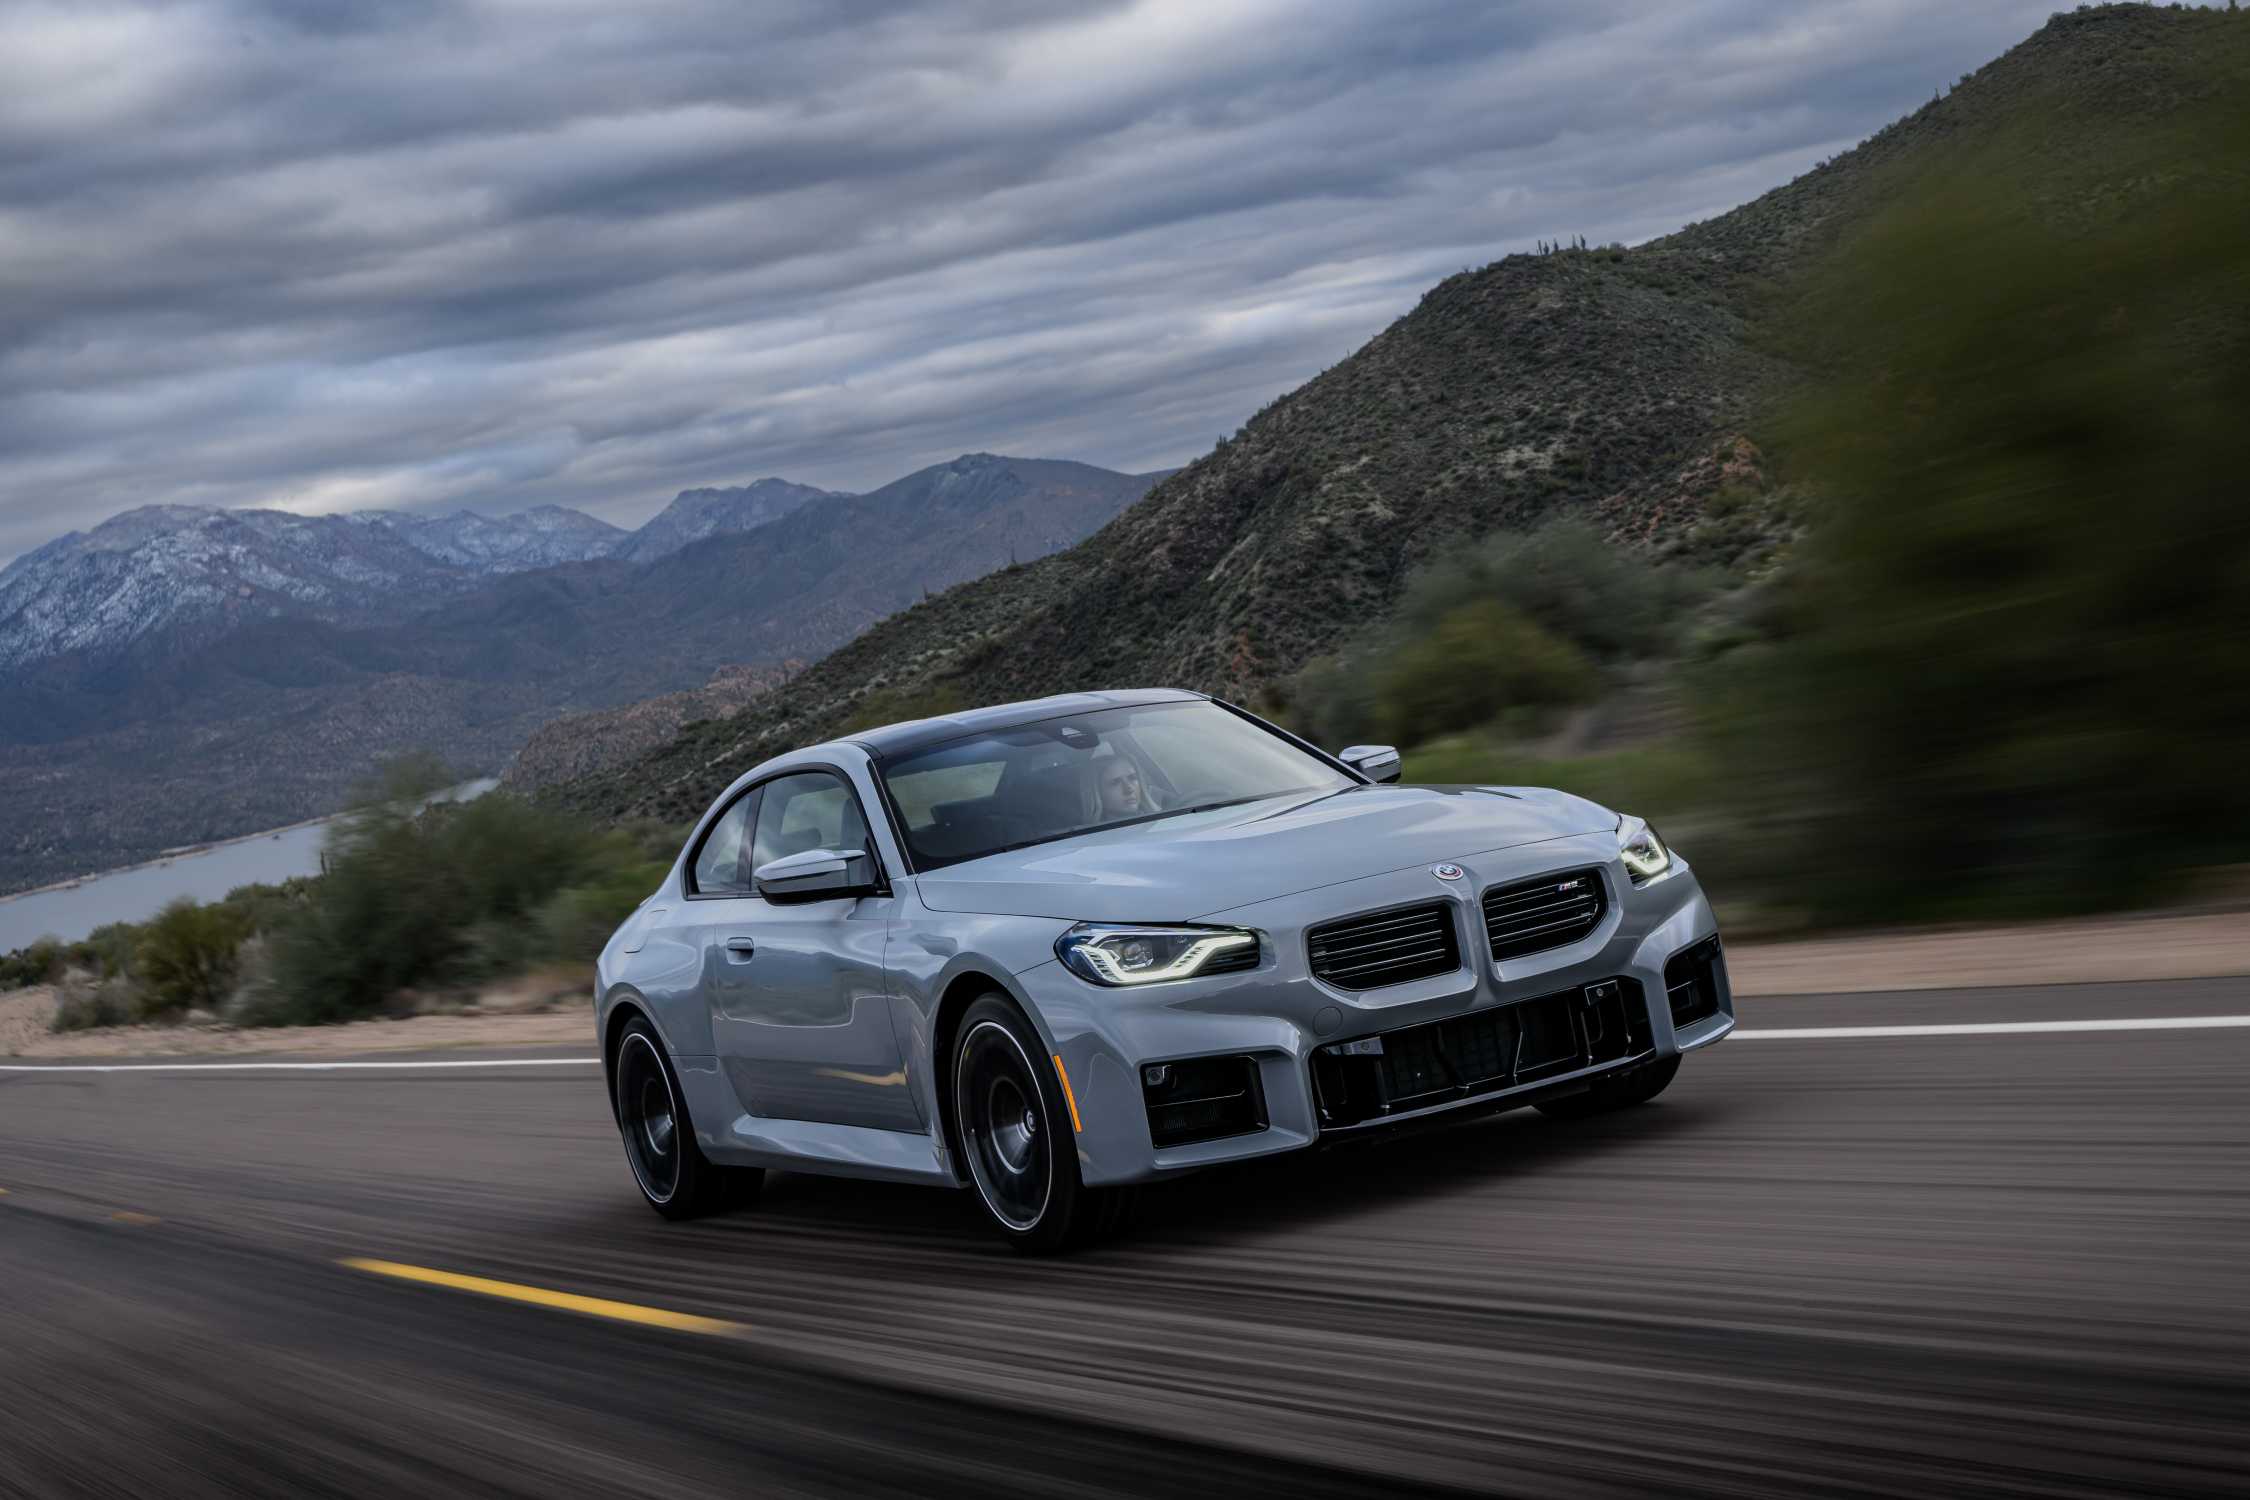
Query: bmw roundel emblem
[(1447, 872)]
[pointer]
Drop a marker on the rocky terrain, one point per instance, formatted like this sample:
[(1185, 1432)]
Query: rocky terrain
[(1608, 382)]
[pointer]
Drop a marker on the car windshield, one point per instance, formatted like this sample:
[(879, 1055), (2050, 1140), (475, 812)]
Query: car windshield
[(1006, 788)]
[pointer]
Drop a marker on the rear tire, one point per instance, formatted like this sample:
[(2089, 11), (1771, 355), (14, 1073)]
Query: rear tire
[(674, 1176), (1622, 1092), (1016, 1139)]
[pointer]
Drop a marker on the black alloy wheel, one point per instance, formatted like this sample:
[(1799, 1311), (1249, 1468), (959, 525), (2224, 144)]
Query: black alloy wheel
[(675, 1177), (1015, 1134)]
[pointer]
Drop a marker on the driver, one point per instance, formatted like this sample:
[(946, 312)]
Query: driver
[(1117, 785)]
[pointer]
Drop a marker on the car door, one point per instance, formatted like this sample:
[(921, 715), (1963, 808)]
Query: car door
[(800, 1015)]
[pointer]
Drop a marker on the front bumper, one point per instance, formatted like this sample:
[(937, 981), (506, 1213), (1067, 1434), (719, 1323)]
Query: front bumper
[(1281, 1016)]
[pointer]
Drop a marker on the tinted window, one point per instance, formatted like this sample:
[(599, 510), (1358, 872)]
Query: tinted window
[(808, 810), (1005, 788), (719, 866)]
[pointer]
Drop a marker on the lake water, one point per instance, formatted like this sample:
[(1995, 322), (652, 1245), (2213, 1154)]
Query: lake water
[(136, 894)]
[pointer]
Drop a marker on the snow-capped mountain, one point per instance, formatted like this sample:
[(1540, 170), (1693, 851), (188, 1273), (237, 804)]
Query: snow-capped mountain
[(537, 538), (176, 567), (171, 577)]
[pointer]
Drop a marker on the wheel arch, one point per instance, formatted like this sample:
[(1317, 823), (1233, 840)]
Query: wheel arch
[(623, 1012), (961, 991)]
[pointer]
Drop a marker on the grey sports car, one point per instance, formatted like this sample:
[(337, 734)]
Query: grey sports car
[(1051, 950)]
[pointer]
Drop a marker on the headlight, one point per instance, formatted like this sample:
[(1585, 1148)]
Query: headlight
[(1643, 853), (1103, 954)]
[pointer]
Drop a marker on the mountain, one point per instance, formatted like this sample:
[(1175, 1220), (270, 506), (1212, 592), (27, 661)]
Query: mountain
[(165, 578), (1613, 383), (540, 537), (694, 515), (169, 578), (578, 745), (108, 756), (190, 574)]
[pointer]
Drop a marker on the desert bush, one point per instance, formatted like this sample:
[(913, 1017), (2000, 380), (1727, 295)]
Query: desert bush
[(1491, 628), (575, 922), (185, 957), (1476, 662), (85, 1004), (37, 962), (434, 895), (107, 950), (257, 999)]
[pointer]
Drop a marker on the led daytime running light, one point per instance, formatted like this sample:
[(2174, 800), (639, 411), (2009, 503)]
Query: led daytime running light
[(1641, 851), (1095, 953)]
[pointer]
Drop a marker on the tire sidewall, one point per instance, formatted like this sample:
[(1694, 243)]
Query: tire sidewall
[(1064, 1190), (698, 1188)]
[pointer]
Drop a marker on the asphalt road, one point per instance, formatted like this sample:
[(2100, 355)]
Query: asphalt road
[(2013, 1264)]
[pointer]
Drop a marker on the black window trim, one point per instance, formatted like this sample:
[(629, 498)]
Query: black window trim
[(874, 852)]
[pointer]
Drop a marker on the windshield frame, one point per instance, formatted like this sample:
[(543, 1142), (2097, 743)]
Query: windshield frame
[(879, 767)]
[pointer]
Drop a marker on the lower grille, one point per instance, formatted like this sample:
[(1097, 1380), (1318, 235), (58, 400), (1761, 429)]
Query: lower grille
[(1483, 1053), (1691, 982), (1385, 947)]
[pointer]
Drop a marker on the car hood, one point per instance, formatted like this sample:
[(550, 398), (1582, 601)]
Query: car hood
[(1176, 869)]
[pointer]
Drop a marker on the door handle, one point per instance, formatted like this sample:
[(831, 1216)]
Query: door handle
[(741, 947)]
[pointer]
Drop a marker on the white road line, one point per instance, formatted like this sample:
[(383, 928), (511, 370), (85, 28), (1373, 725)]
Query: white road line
[(1993, 1028), (1771, 1034), (301, 1067)]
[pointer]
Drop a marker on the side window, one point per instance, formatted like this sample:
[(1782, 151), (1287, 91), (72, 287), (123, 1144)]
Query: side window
[(719, 868), (807, 810)]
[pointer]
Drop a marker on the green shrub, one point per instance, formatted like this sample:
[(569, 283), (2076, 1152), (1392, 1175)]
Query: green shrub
[(107, 950), (1493, 628), (433, 896), (1475, 663), (39, 962), (574, 923), (185, 958), (1606, 599)]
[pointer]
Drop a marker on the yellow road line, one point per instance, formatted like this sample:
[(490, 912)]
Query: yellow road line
[(596, 1307), (127, 1216)]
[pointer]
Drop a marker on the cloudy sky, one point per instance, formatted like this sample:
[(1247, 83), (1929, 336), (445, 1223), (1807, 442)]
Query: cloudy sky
[(332, 254)]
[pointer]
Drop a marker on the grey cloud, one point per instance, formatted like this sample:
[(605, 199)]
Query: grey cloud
[(325, 254)]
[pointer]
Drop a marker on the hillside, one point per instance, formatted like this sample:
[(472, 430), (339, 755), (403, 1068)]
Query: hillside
[(1608, 382), (276, 719)]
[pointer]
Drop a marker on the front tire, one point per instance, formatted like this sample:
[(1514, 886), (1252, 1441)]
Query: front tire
[(674, 1176), (1016, 1135), (1622, 1092)]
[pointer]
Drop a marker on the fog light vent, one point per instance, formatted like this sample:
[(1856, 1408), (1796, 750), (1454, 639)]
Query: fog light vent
[(1202, 1099)]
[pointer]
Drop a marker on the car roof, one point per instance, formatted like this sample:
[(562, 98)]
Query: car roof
[(895, 740)]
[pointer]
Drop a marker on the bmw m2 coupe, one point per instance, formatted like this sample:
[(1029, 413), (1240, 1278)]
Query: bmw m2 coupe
[(1048, 951)]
